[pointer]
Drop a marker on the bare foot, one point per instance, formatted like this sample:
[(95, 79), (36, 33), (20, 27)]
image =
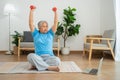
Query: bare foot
[(53, 68), (32, 68)]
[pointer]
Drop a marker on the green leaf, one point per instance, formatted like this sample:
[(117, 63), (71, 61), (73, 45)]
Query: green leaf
[(60, 29), (15, 37), (73, 9)]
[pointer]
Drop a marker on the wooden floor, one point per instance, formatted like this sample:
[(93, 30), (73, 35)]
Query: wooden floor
[(110, 69)]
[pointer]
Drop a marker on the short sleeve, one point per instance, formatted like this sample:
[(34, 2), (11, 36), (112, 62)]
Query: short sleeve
[(34, 32), (51, 32)]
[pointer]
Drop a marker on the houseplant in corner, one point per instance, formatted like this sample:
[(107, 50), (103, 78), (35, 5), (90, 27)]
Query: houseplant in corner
[(15, 40), (67, 27)]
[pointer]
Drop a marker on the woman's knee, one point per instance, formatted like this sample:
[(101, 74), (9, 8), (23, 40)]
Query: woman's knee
[(30, 56), (58, 60), (53, 61)]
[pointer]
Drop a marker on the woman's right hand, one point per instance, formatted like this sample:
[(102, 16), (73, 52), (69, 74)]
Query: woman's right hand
[(32, 7)]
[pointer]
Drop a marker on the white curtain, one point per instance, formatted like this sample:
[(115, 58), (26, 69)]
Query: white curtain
[(117, 15)]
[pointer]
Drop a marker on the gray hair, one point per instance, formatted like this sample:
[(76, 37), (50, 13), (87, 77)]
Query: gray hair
[(41, 22)]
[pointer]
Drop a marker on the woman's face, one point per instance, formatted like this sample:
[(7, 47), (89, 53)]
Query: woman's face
[(43, 28)]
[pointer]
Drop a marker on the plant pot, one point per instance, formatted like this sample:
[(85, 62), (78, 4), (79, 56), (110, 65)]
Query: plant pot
[(15, 50), (65, 50)]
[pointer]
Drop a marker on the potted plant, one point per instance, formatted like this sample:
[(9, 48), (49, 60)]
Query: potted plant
[(67, 27), (15, 40)]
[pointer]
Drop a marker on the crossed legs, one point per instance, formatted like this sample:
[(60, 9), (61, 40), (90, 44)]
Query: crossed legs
[(44, 62)]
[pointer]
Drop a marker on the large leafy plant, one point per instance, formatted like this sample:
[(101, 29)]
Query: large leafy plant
[(67, 27)]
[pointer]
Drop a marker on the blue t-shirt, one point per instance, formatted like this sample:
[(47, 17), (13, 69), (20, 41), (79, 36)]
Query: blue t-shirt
[(43, 42)]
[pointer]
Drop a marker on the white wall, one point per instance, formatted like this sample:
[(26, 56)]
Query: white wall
[(88, 15), (107, 15)]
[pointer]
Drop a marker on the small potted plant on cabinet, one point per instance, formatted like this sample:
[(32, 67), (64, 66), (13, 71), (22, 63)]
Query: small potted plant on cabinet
[(67, 28)]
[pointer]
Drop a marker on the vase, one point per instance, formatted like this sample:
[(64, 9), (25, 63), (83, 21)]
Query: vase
[(65, 50)]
